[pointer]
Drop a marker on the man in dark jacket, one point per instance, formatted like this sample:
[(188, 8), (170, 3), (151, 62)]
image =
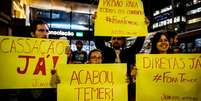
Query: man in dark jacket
[(119, 54)]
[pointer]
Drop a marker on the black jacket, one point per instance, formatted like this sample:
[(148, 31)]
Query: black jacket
[(127, 55)]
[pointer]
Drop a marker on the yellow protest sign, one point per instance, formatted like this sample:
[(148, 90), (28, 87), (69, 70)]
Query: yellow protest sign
[(120, 18), (168, 77), (27, 62), (92, 82)]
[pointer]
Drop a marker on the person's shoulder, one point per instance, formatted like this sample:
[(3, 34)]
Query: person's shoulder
[(108, 48), (74, 52), (84, 52)]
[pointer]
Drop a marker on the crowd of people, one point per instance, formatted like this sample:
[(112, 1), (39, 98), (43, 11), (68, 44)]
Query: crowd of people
[(163, 42)]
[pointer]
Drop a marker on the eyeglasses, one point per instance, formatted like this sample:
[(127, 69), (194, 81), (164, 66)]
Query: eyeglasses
[(43, 30)]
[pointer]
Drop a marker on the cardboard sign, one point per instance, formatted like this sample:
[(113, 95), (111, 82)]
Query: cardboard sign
[(168, 77), (92, 82), (27, 62), (120, 18)]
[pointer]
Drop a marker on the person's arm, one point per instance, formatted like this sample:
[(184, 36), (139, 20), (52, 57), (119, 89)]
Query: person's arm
[(128, 55), (137, 45), (85, 57), (100, 43)]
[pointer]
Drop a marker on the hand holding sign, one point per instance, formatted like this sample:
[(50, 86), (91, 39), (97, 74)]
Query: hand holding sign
[(120, 18)]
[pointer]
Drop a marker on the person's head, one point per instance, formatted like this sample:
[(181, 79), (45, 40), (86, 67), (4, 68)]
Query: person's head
[(95, 56), (39, 29), (173, 37), (118, 42), (160, 43), (79, 45)]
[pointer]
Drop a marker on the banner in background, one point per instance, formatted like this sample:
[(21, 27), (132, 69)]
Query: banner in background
[(120, 18), (92, 82), (27, 62), (168, 77)]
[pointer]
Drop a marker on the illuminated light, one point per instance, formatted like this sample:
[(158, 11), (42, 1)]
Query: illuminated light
[(156, 13), (169, 21), (79, 27), (194, 11), (68, 26), (79, 34), (155, 25), (18, 10), (79, 11), (183, 19), (196, 1), (195, 20), (176, 19), (82, 22), (60, 26), (176, 29), (198, 42), (55, 16), (63, 33), (166, 9)]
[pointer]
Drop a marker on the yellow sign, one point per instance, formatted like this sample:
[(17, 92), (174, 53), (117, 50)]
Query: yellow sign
[(92, 82), (120, 18), (168, 77), (27, 62)]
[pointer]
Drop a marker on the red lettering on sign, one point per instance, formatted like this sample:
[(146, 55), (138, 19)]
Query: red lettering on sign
[(27, 64)]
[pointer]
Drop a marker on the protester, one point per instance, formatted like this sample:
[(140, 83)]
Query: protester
[(174, 42), (160, 43), (118, 53), (79, 56), (69, 55), (39, 29), (95, 57)]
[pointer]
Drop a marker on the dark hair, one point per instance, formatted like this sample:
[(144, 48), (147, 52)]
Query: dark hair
[(154, 41), (123, 39), (79, 42), (35, 23), (171, 34), (94, 50)]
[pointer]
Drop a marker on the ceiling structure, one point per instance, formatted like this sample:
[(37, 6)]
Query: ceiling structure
[(64, 5), (89, 6)]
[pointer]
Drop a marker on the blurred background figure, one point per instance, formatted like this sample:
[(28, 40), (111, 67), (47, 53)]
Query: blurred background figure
[(69, 55), (79, 56), (174, 42)]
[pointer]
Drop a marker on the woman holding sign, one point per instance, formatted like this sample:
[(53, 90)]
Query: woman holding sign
[(160, 43), (95, 57)]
